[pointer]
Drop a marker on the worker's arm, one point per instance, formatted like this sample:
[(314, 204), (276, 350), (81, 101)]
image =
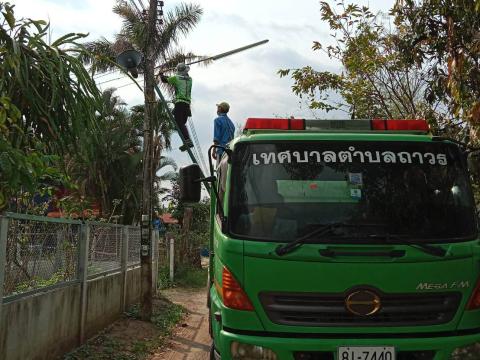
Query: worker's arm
[(163, 78)]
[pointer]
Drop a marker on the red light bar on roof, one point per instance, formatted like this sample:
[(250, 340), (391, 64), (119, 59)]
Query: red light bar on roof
[(275, 124), (415, 125), (357, 125)]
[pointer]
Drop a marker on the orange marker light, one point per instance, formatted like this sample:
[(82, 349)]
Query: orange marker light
[(232, 294), (474, 302)]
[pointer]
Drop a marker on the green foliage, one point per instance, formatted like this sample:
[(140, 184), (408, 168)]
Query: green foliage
[(190, 277), (37, 282), (47, 103), (185, 276), (113, 345), (163, 280), (108, 167), (201, 211), (374, 81), (444, 36)]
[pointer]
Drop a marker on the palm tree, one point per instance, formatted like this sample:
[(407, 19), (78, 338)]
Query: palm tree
[(167, 53), (108, 165), (165, 176)]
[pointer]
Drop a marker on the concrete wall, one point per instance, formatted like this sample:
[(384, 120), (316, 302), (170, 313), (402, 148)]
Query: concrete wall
[(104, 302), (134, 285), (47, 325), (41, 326)]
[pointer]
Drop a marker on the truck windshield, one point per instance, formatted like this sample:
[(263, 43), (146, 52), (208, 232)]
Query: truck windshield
[(283, 190)]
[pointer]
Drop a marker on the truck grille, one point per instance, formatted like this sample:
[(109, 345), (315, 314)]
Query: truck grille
[(310, 309)]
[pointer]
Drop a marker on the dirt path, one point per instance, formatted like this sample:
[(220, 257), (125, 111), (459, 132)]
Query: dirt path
[(190, 338)]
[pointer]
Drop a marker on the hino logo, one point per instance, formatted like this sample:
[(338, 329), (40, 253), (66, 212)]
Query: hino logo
[(440, 286)]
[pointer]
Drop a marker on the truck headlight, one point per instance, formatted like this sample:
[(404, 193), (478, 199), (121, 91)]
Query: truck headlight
[(469, 352), (248, 351)]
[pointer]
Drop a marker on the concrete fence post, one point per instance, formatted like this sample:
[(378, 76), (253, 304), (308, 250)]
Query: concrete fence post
[(155, 238), (3, 256), (83, 276), (171, 243), (125, 241)]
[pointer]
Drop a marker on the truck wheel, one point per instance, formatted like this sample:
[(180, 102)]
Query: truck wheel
[(210, 329), (212, 352)]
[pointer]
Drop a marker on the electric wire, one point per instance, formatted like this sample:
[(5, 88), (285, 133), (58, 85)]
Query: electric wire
[(103, 74), (110, 80), (140, 82)]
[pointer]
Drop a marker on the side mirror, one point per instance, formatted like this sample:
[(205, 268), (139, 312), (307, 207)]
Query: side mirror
[(190, 186), (473, 161)]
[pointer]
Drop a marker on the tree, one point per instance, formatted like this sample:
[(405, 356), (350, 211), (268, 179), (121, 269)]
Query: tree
[(167, 53), (48, 103), (108, 167), (444, 36), (374, 81), (166, 176)]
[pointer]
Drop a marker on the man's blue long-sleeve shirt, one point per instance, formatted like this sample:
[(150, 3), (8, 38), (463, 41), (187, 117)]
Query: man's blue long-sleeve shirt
[(223, 131)]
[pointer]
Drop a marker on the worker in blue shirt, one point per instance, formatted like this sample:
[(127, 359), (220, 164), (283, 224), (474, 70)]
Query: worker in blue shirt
[(223, 130)]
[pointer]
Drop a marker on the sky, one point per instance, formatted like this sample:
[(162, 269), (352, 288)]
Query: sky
[(248, 81)]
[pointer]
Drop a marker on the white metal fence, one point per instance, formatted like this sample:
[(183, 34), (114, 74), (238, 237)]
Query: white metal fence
[(39, 252)]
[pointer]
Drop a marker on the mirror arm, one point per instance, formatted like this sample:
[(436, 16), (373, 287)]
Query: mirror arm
[(210, 179)]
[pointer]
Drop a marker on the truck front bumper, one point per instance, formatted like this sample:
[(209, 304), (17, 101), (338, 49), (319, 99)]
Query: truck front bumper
[(299, 346)]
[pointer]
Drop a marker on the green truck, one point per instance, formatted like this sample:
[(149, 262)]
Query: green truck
[(345, 240)]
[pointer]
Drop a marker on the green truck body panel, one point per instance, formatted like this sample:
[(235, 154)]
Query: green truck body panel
[(258, 269)]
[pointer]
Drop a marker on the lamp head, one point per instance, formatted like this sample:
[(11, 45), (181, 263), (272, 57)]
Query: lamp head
[(130, 59)]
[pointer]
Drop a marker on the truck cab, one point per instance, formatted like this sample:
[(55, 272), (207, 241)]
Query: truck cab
[(342, 240)]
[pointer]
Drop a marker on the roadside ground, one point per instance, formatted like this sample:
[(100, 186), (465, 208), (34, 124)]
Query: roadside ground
[(178, 330), (190, 340)]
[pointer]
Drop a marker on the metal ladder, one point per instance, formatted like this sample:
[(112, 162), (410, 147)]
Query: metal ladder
[(172, 120)]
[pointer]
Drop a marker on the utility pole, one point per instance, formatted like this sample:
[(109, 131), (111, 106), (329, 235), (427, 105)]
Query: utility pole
[(147, 191)]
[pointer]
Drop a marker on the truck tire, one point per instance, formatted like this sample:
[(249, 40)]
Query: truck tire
[(210, 328), (212, 352)]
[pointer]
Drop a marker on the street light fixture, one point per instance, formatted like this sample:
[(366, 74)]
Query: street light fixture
[(130, 60)]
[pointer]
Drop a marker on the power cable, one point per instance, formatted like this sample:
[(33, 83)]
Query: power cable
[(110, 80), (103, 74), (124, 85)]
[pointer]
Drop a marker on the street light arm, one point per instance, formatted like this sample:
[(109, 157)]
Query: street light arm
[(222, 55)]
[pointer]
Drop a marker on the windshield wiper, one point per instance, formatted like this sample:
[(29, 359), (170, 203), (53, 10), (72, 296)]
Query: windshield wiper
[(322, 230), (426, 248)]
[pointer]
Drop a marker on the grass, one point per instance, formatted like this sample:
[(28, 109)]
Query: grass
[(131, 338), (185, 276)]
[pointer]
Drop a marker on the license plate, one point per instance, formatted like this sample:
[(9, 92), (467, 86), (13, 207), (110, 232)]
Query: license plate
[(366, 353)]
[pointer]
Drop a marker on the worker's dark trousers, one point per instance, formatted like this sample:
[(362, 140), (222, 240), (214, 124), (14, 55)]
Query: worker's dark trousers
[(181, 112)]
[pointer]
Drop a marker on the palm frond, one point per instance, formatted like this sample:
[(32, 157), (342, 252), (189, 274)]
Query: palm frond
[(133, 27), (175, 56), (167, 161), (170, 175), (178, 22), (100, 55)]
